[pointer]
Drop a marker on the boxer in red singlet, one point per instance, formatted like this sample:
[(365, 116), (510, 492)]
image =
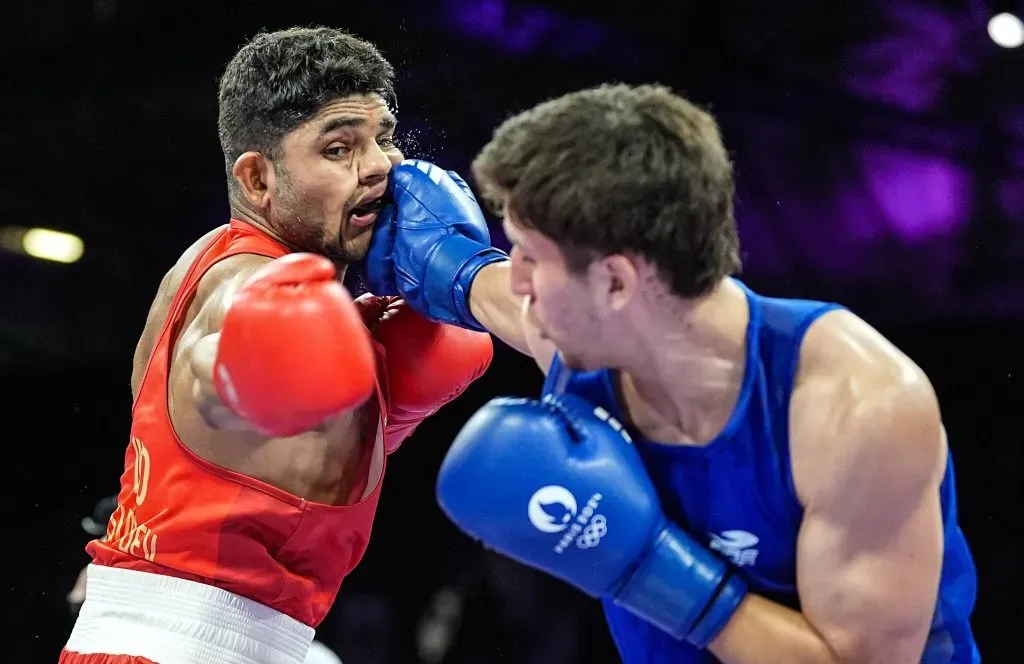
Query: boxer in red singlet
[(265, 398)]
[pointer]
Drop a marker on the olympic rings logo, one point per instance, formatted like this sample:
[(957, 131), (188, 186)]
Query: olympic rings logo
[(592, 534)]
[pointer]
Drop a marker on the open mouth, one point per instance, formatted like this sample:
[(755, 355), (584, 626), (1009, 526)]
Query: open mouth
[(365, 215), (368, 208)]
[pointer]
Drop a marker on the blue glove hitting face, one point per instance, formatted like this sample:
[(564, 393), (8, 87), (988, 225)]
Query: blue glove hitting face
[(557, 485), (429, 242)]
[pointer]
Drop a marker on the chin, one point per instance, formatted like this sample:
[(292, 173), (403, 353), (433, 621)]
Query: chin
[(350, 251), (571, 362), (358, 246), (576, 363), (591, 360)]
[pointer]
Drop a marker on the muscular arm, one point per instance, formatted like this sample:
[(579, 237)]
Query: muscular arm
[(500, 311), (196, 349), (870, 548)]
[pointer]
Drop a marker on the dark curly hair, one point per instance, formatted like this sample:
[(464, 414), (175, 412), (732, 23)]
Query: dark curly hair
[(278, 80), (618, 169)]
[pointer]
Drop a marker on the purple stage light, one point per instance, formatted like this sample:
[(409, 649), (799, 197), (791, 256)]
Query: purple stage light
[(910, 64), (520, 28), (921, 196)]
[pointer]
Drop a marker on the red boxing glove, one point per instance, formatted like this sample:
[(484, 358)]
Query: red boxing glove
[(428, 365), (293, 351)]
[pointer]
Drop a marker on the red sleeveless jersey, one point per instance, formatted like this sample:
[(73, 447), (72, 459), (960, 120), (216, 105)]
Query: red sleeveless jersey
[(182, 516)]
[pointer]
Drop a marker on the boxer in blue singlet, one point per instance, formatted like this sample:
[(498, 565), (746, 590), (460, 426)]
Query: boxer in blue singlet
[(739, 478)]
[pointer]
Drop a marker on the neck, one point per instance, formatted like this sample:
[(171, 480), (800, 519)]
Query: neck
[(685, 377), (241, 210)]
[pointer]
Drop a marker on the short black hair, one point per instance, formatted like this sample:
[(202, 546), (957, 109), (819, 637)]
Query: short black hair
[(278, 80), (619, 169)]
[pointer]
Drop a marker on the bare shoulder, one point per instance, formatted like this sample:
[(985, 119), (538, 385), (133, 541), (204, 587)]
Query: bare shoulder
[(161, 305), (211, 297), (225, 276), (171, 281), (214, 294), (860, 408), (218, 283), (840, 343), (195, 349)]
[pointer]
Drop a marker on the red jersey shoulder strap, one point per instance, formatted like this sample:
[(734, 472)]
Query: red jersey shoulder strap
[(238, 238)]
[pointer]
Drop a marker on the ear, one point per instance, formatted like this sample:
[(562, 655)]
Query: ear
[(615, 281), (254, 174)]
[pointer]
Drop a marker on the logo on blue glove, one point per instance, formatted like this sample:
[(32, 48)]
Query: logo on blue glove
[(553, 509)]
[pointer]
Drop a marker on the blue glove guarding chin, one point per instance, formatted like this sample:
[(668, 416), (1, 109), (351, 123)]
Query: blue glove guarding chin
[(429, 242)]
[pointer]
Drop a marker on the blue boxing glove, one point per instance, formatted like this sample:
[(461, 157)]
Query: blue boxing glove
[(558, 486), (429, 243)]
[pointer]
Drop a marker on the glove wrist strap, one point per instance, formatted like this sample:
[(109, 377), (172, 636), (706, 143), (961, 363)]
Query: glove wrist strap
[(683, 588), (719, 612), (463, 257)]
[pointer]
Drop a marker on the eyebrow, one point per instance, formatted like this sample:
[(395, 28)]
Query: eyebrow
[(387, 123)]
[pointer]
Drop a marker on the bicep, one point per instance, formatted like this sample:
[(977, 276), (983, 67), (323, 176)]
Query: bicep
[(869, 583)]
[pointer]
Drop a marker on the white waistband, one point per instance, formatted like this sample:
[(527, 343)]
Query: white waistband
[(176, 621)]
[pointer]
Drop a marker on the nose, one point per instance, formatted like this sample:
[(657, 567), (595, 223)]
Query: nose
[(520, 275), (374, 165)]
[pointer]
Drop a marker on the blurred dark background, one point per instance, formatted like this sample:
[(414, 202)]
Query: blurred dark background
[(880, 156)]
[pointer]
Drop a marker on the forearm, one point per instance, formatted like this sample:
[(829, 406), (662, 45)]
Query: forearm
[(764, 632), (496, 308)]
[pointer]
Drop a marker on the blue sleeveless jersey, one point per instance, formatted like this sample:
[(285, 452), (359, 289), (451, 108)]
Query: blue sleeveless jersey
[(736, 494)]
